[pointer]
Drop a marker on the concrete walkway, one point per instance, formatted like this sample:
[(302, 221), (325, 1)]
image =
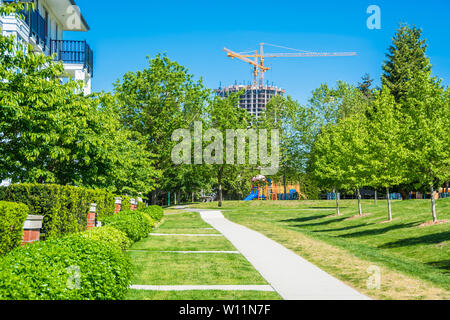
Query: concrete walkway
[(290, 275)]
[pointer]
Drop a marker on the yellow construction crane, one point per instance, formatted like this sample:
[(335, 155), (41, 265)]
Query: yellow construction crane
[(259, 58)]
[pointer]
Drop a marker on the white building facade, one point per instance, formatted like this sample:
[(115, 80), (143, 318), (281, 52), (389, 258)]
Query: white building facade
[(44, 29)]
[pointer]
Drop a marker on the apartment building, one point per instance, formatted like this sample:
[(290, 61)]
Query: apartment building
[(44, 28)]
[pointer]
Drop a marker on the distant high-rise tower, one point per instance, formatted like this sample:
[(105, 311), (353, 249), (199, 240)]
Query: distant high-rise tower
[(254, 99)]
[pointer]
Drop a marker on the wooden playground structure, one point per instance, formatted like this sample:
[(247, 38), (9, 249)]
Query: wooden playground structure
[(267, 189)]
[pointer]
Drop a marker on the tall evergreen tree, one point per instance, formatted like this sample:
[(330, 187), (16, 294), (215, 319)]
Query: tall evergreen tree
[(406, 57), (365, 85)]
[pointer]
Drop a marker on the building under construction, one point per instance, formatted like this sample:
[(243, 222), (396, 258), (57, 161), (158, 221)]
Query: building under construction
[(255, 97)]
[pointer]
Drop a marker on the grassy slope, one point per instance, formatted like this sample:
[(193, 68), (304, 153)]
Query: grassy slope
[(400, 247), (155, 268)]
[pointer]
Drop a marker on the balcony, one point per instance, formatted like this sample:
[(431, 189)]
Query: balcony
[(73, 52)]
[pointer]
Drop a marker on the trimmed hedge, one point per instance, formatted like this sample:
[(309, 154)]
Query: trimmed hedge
[(109, 235), (156, 212), (69, 268), (64, 208), (12, 219), (134, 223)]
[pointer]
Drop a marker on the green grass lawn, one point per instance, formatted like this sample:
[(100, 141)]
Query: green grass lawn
[(151, 267), (202, 295), (402, 246), (193, 269)]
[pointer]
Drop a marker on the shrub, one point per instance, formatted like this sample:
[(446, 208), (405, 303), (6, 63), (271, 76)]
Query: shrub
[(64, 208), (69, 268), (156, 212), (12, 219), (150, 220), (109, 235), (133, 223)]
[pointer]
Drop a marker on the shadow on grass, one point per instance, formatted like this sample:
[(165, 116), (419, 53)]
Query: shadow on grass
[(428, 239), (305, 219), (444, 265), (374, 232), (324, 223), (345, 228)]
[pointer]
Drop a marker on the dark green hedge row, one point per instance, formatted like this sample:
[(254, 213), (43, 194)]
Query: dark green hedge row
[(64, 208), (69, 268), (12, 219)]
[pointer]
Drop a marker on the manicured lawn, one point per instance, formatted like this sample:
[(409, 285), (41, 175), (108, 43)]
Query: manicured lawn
[(152, 267), (193, 269), (415, 260), (201, 295), (183, 221), (180, 243)]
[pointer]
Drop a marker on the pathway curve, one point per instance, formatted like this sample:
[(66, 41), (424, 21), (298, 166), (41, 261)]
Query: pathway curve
[(290, 275)]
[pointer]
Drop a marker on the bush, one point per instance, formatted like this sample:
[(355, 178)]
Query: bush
[(156, 212), (69, 268), (109, 235), (133, 223), (64, 208), (150, 220), (12, 219)]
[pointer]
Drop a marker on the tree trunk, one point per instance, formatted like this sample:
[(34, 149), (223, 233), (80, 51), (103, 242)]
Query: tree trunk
[(154, 197), (389, 204), (376, 197), (193, 197), (359, 203), (433, 204), (219, 178), (285, 185), (175, 198), (338, 209)]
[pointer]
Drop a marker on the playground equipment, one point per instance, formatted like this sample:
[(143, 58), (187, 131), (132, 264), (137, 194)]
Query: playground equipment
[(267, 189)]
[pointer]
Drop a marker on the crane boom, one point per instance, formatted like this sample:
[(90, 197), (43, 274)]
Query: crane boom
[(260, 68)]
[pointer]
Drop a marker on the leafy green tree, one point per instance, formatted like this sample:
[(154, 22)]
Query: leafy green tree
[(157, 101), (224, 114), (51, 134), (295, 124), (325, 163), (427, 120), (339, 154), (387, 153), (329, 105)]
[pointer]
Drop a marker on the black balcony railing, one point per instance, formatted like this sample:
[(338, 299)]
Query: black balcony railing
[(76, 52), (38, 25)]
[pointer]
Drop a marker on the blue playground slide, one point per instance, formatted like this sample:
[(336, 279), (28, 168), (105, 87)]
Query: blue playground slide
[(252, 196)]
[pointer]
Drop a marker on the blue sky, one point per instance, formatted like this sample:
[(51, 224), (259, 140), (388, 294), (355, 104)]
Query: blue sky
[(194, 33)]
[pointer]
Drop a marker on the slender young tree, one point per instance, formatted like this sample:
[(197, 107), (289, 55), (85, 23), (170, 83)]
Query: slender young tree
[(224, 114), (427, 120), (387, 153)]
